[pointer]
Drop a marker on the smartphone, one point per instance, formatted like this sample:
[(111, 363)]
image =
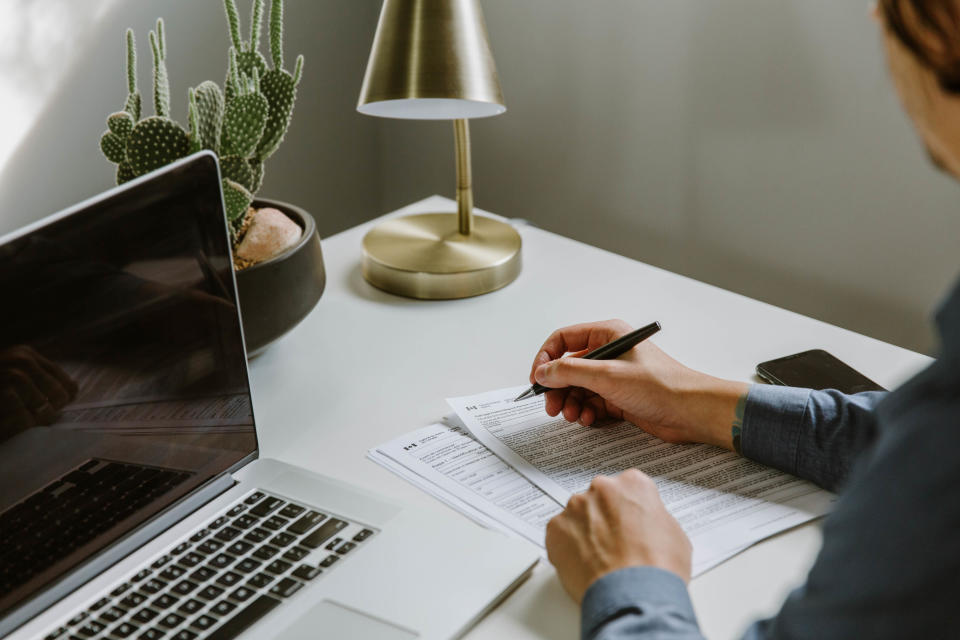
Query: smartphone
[(815, 369)]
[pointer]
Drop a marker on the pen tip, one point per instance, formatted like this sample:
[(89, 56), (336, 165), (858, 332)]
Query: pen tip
[(523, 396)]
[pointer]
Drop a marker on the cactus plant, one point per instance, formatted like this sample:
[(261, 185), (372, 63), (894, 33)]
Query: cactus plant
[(244, 124)]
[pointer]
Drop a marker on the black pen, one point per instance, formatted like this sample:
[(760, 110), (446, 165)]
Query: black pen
[(609, 351)]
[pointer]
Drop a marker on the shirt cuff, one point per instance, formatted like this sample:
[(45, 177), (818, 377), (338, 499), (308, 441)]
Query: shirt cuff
[(772, 425), (634, 590)]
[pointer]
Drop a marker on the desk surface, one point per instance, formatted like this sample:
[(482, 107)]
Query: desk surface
[(366, 366)]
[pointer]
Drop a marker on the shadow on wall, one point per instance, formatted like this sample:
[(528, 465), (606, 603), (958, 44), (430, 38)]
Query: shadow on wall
[(324, 165)]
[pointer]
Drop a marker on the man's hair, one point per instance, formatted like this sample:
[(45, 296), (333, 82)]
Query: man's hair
[(930, 29)]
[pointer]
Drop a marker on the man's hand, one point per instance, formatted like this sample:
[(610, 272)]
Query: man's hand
[(33, 389), (644, 386), (619, 522)]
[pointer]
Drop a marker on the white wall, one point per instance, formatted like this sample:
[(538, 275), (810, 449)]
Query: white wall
[(752, 144), (327, 164)]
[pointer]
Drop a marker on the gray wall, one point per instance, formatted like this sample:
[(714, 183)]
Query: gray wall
[(752, 144)]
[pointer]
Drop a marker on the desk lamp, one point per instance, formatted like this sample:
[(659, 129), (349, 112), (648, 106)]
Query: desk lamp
[(431, 61)]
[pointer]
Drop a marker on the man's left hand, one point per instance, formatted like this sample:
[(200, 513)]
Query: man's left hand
[(618, 522)]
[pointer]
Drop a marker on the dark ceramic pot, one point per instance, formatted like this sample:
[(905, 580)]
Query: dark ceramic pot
[(277, 294)]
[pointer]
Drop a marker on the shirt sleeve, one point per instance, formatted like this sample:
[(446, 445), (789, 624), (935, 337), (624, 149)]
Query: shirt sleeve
[(638, 602), (816, 435)]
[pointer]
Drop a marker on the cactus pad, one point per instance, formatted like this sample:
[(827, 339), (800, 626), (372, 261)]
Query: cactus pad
[(125, 173), (154, 142), (243, 124), (209, 114), (256, 169), (114, 147), (120, 123), (236, 168), (237, 200), (280, 91)]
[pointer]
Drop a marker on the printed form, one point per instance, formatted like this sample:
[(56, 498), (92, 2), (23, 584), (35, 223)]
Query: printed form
[(723, 502)]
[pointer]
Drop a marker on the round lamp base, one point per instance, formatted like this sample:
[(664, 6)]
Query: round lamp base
[(425, 256)]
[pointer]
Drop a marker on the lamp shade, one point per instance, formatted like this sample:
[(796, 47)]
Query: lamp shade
[(430, 60)]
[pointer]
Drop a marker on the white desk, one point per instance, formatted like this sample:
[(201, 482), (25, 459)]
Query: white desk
[(366, 366)]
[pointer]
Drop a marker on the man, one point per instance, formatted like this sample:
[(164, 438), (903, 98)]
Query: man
[(890, 562)]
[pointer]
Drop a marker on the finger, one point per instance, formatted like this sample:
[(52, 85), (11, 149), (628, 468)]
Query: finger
[(571, 408), (23, 387), (48, 385), (579, 337), (594, 375), (13, 415), (68, 383), (588, 415), (554, 401)]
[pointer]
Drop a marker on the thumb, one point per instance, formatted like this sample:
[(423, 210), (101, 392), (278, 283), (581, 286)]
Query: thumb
[(575, 372)]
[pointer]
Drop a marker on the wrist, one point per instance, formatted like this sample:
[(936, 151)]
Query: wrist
[(712, 408)]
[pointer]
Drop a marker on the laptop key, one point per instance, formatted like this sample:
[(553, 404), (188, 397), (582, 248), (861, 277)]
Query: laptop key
[(306, 522), (291, 511), (242, 594), (113, 614), (192, 559), (170, 620), (202, 574), (92, 628), (333, 543), (185, 634), (296, 553), (210, 592), (219, 522), (210, 546), (346, 547), (257, 535), (120, 589), (329, 561), (162, 560), (172, 572), (239, 548), (254, 497), (221, 561), (363, 535), (305, 572), (165, 601), (245, 521), (267, 506), (124, 630), (260, 580), (265, 552), (180, 548), (100, 604), (286, 587), (237, 510), (199, 535), (203, 622), (151, 634), (230, 578), (282, 539), (141, 576), (184, 587), (152, 586), (56, 633), (278, 566), (131, 601), (227, 534), (144, 615), (245, 618), (190, 606), (323, 533), (223, 607), (247, 565), (275, 523)]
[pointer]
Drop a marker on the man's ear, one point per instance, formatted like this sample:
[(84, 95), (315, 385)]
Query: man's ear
[(874, 11)]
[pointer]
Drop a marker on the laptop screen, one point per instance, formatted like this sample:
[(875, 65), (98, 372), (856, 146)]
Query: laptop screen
[(123, 383)]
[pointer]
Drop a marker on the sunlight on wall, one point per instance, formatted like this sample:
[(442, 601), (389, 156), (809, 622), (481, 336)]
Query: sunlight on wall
[(37, 40)]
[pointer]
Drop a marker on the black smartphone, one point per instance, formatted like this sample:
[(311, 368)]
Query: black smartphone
[(815, 369)]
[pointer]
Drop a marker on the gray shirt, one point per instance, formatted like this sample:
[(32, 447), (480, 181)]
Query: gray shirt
[(890, 562)]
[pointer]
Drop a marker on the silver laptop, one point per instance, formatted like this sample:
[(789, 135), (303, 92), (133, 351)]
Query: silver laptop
[(133, 503)]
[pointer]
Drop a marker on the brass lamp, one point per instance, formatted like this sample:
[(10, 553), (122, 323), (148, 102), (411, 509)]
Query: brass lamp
[(431, 61)]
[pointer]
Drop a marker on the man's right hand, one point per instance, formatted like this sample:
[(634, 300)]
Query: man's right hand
[(645, 386)]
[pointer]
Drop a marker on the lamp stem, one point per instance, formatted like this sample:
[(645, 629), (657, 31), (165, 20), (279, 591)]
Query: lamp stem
[(461, 133)]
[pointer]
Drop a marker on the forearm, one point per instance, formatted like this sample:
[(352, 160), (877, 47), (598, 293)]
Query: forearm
[(638, 602), (816, 435)]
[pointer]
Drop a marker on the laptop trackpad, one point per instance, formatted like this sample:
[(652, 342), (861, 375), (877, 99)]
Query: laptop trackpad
[(332, 620)]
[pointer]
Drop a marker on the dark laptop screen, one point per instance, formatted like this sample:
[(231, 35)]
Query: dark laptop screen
[(123, 383)]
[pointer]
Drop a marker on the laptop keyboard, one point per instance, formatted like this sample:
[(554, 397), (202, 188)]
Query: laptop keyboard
[(71, 511), (224, 577)]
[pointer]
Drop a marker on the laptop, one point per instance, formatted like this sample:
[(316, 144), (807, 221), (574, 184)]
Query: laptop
[(133, 502)]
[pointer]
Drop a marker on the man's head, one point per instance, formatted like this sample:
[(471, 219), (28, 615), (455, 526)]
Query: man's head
[(922, 39)]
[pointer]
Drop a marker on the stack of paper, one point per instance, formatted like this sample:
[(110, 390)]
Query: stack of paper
[(510, 466)]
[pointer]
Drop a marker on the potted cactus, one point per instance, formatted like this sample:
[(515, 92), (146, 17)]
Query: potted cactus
[(276, 247)]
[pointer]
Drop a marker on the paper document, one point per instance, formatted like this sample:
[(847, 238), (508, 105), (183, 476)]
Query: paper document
[(447, 462), (723, 502), (451, 460)]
